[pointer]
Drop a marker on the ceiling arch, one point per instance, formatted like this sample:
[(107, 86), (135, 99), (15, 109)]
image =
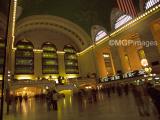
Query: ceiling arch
[(78, 36)]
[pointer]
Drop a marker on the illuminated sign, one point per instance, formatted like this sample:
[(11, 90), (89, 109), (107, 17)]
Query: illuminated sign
[(124, 76)]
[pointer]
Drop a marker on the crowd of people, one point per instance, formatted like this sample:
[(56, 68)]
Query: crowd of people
[(146, 96), (13, 100), (51, 98)]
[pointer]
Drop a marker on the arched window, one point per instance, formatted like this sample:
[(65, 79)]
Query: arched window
[(70, 59), (98, 32), (101, 34), (150, 3), (2, 48), (122, 20), (24, 63), (49, 59)]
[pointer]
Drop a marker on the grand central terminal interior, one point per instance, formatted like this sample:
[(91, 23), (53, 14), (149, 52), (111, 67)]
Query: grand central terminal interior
[(80, 59)]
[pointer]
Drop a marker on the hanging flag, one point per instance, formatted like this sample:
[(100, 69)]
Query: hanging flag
[(127, 7)]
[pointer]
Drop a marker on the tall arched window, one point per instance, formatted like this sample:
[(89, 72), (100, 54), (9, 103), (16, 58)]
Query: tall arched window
[(98, 32), (2, 48), (122, 20), (150, 3), (24, 63), (101, 34), (49, 59), (70, 59)]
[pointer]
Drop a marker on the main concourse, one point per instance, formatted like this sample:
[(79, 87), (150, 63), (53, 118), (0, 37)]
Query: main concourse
[(80, 60)]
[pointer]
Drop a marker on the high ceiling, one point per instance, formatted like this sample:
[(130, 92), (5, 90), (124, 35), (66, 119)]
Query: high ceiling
[(84, 13)]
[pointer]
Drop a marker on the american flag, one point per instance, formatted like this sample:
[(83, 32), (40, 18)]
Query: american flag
[(127, 7)]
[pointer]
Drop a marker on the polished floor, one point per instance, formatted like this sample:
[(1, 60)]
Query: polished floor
[(74, 108)]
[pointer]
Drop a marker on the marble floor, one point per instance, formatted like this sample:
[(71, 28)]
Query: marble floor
[(73, 108)]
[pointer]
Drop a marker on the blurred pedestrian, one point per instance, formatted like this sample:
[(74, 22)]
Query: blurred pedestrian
[(108, 91), (20, 99), (155, 96), (8, 100), (126, 89), (113, 88), (138, 100), (49, 99), (119, 90), (55, 99)]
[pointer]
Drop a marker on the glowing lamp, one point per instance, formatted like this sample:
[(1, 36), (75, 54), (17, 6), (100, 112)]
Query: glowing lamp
[(47, 87), (144, 62)]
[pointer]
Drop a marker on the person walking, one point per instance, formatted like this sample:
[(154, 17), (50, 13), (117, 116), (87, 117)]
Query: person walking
[(8, 100), (108, 91), (20, 99), (49, 99), (155, 96), (54, 99), (139, 100), (126, 89), (119, 90)]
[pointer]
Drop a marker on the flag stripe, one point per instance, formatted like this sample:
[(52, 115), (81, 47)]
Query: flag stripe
[(127, 7)]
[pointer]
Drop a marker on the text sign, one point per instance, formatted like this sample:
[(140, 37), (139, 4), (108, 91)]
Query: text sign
[(124, 76)]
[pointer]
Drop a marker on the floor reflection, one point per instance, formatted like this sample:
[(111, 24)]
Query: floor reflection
[(77, 107)]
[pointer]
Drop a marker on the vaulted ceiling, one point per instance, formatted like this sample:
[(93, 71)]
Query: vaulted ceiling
[(84, 13)]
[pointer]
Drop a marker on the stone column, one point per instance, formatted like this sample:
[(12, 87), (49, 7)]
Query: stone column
[(116, 59)]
